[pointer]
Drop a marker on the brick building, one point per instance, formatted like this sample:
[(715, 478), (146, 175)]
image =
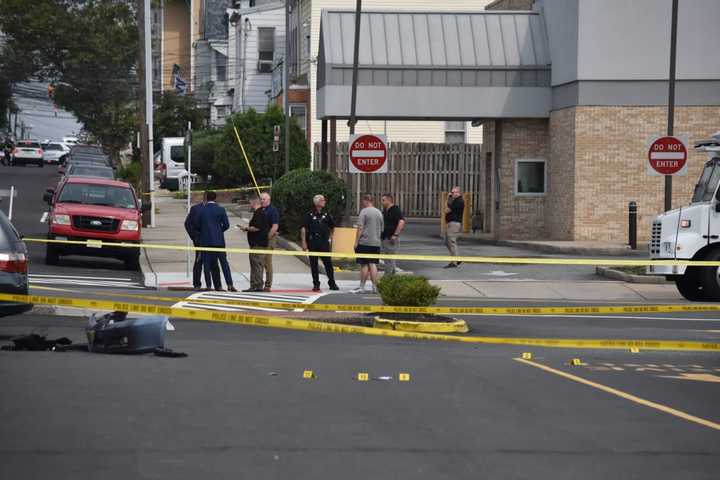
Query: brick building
[(567, 93)]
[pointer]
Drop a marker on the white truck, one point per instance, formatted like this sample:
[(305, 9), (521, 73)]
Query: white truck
[(693, 233), (172, 162)]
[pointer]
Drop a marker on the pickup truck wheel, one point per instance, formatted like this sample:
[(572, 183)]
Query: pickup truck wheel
[(41, 164), (689, 285), (709, 279), (51, 255), (132, 262)]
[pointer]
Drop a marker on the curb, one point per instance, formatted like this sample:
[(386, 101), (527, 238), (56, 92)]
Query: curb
[(630, 278), (456, 326), (620, 251)]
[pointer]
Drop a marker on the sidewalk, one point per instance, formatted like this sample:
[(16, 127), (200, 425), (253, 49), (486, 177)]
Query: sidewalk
[(169, 268)]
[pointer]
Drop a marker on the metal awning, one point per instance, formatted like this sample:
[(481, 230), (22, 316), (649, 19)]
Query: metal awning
[(421, 65)]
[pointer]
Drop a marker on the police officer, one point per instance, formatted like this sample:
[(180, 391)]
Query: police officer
[(316, 236)]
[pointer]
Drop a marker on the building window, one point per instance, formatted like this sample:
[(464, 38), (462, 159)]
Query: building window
[(530, 177), (220, 67), (266, 49), (298, 112), (220, 112), (455, 132)]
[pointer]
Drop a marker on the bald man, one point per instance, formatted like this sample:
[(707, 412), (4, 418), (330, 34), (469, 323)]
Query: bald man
[(273, 216)]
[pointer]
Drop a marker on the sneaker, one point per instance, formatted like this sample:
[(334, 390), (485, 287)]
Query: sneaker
[(358, 290), (232, 289), (316, 289), (451, 265), (334, 287)]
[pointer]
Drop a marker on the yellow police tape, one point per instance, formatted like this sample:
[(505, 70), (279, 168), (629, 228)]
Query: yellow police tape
[(353, 308), (316, 326), (239, 189), (94, 243)]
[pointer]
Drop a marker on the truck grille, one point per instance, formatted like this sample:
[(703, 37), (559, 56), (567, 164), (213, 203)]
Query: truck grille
[(655, 238), (101, 224)]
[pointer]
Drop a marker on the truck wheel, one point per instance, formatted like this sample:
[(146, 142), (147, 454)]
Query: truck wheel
[(132, 262), (51, 255), (689, 285), (709, 279)]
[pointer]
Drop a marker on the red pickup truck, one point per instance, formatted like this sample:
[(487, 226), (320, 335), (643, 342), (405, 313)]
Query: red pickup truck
[(85, 208)]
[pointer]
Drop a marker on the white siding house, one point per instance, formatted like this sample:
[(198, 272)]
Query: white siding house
[(254, 33)]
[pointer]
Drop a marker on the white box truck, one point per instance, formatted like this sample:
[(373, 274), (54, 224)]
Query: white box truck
[(172, 162), (693, 233)]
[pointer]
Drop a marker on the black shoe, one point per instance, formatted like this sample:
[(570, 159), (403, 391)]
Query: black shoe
[(252, 290), (219, 290), (451, 265), (232, 289), (457, 264), (333, 286)]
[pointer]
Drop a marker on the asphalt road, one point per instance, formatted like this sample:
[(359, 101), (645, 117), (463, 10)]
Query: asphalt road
[(467, 411), (28, 209)]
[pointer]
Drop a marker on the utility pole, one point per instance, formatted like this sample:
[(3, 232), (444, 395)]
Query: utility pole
[(286, 85), (671, 96), (353, 94), (149, 109), (145, 162)]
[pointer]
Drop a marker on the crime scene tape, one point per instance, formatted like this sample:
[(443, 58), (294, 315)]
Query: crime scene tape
[(93, 243), (326, 327), (353, 308), (238, 189)]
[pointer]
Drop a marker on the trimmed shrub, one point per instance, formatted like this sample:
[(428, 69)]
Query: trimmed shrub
[(292, 194), (407, 290)]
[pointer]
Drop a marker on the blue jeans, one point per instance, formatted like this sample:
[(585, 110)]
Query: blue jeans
[(210, 259)]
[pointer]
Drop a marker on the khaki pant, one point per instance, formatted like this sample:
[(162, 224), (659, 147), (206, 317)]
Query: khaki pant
[(451, 235), (390, 247), (257, 265), (272, 243)]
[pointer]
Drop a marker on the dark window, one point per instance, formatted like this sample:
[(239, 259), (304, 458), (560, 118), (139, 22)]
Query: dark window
[(177, 153), (530, 177), (220, 67), (266, 49)]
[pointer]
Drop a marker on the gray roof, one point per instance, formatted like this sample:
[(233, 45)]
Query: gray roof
[(489, 39)]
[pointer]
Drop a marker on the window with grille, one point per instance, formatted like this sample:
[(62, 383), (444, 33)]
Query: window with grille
[(266, 49)]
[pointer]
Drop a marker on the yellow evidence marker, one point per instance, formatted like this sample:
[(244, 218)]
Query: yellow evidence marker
[(363, 377), (634, 350), (527, 356), (576, 362), (307, 374), (404, 377)]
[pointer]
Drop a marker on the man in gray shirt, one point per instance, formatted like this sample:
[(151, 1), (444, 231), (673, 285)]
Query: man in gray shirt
[(367, 241)]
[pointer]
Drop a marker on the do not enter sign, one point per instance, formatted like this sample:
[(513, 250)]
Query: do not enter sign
[(667, 156), (368, 154)]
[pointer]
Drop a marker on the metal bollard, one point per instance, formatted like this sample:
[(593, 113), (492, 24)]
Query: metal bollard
[(632, 225)]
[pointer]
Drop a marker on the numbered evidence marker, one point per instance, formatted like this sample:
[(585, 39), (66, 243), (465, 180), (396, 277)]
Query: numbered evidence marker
[(404, 377), (634, 350), (576, 362), (308, 374), (363, 377), (527, 356)]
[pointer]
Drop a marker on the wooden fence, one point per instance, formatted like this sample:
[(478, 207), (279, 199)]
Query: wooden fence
[(417, 173)]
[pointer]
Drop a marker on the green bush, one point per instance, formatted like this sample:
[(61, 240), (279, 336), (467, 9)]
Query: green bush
[(293, 193), (131, 174), (407, 290)]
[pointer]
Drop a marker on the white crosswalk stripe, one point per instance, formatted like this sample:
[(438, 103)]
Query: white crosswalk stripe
[(298, 298), (84, 281)]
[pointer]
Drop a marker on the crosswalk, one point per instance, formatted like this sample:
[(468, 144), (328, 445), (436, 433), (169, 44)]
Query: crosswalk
[(195, 301), (83, 281)]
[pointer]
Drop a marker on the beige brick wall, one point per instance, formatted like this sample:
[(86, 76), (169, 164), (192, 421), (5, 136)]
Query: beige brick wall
[(560, 202), (521, 217), (610, 166)]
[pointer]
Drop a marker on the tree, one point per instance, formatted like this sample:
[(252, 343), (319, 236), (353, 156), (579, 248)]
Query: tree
[(172, 115), (88, 48), (256, 132)]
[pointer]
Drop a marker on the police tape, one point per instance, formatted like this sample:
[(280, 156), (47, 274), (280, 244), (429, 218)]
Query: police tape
[(238, 189), (94, 243), (327, 327), (442, 310)]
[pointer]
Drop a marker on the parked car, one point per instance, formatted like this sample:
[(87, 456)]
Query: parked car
[(70, 140), (13, 267), (54, 152), (89, 149), (84, 169), (84, 208), (99, 160), (27, 151)]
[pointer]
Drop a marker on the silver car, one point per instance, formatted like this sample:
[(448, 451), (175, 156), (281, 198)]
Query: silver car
[(53, 152)]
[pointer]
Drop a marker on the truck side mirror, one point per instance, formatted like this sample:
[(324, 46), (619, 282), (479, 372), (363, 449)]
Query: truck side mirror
[(48, 196), (717, 207)]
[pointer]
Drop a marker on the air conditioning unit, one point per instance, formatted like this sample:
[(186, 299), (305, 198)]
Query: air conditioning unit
[(265, 66)]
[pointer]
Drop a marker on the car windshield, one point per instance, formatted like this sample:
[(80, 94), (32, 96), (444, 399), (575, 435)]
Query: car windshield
[(177, 153), (86, 149), (88, 171), (91, 194), (706, 186), (52, 146)]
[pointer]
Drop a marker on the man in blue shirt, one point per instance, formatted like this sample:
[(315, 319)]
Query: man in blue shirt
[(273, 217), (211, 223), (194, 235)]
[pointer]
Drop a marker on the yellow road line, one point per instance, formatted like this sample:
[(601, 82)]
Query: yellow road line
[(384, 256), (626, 396)]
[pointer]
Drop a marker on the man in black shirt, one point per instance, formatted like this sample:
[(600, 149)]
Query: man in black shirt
[(394, 222), (454, 218), (257, 232), (316, 236)]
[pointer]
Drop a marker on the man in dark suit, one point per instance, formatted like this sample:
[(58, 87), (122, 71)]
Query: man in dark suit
[(211, 224), (194, 235)]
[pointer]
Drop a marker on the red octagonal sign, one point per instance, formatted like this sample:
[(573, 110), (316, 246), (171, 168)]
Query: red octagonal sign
[(667, 156), (368, 154)]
